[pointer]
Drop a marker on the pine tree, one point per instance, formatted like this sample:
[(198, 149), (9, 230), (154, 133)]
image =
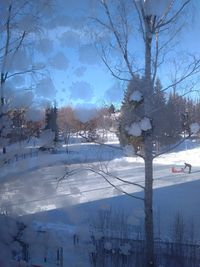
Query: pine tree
[(111, 109), (51, 120), (131, 111), (165, 120)]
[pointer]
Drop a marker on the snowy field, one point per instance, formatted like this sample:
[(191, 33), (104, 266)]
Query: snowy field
[(33, 191), (32, 186)]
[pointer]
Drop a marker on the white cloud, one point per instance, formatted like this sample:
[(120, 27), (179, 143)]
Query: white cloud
[(34, 114), (85, 112), (81, 90), (114, 93), (88, 55), (22, 98), (21, 61), (80, 71), (45, 88), (66, 20), (59, 61), (45, 45), (18, 80), (27, 23), (70, 39)]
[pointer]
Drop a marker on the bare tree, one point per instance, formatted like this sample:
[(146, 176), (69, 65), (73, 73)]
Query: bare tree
[(158, 26), (66, 124), (19, 24)]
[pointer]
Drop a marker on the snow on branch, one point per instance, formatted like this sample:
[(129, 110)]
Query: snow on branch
[(136, 128), (136, 96)]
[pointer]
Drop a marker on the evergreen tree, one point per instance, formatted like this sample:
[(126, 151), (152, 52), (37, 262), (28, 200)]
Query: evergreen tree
[(111, 109), (51, 120), (165, 122), (131, 111)]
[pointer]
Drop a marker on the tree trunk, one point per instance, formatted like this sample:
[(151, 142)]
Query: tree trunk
[(2, 102), (148, 204), (148, 153)]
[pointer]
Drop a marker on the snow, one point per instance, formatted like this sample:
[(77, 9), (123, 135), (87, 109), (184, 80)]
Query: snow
[(47, 137), (129, 150), (30, 188), (136, 96), (134, 129), (194, 128), (145, 124), (125, 249), (108, 245), (4, 141)]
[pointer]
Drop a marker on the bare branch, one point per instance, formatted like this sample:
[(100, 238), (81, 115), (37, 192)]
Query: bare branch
[(7, 40), (101, 23), (163, 23), (140, 19), (100, 173), (120, 179), (32, 70), (167, 10), (122, 49), (117, 188), (192, 69), (112, 72), (156, 60)]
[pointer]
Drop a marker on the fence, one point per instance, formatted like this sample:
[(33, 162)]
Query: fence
[(116, 252), (11, 158)]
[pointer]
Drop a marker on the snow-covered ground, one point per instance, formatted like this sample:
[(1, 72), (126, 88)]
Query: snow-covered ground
[(32, 187)]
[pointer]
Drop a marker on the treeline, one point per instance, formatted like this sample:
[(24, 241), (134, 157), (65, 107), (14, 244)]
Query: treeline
[(63, 121), (173, 113)]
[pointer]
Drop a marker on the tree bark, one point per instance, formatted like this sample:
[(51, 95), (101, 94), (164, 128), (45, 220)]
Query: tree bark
[(2, 102), (148, 153), (148, 203)]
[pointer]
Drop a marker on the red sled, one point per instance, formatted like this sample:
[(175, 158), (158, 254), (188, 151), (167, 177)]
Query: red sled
[(174, 170)]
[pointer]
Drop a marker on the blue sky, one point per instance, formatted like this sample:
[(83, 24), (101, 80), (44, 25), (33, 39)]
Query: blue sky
[(75, 73), (86, 69)]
